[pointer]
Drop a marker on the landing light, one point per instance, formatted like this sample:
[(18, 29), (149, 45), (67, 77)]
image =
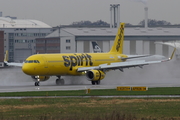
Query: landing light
[(37, 76)]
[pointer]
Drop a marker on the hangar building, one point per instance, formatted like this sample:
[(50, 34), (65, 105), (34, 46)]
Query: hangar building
[(137, 40), (19, 37), (1, 48)]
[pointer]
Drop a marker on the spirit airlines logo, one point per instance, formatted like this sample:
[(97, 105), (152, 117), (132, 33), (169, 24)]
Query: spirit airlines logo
[(119, 38), (77, 60)]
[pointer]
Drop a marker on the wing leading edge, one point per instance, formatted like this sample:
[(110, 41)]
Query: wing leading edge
[(118, 65)]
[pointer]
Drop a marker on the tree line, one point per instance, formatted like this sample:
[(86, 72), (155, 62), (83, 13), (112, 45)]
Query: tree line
[(151, 22)]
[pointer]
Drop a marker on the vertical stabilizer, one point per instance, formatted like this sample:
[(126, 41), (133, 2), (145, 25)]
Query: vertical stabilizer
[(96, 48), (119, 40)]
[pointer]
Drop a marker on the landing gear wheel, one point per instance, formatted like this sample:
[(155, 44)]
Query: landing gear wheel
[(97, 82), (36, 83), (93, 82), (59, 81)]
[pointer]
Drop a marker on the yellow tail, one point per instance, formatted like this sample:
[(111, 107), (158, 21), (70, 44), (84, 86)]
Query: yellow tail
[(119, 40)]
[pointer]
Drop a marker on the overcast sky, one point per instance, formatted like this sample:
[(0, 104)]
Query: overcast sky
[(64, 12)]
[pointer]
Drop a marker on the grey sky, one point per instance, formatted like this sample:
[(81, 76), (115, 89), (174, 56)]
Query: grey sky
[(56, 12)]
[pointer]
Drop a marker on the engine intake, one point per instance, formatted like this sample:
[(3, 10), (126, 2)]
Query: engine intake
[(95, 75)]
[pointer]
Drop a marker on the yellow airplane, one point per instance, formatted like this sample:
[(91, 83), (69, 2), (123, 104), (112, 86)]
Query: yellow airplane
[(93, 65)]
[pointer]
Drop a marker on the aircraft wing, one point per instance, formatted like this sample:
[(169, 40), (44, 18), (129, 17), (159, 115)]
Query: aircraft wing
[(119, 65), (14, 64), (11, 63), (122, 65)]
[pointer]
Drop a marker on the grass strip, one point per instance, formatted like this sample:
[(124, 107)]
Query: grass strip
[(89, 109)]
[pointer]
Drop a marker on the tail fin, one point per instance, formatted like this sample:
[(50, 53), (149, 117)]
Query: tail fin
[(119, 40), (96, 48)]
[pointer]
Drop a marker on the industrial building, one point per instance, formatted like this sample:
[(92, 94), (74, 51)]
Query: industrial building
[(1, 48), (137, 40), (19, 37)]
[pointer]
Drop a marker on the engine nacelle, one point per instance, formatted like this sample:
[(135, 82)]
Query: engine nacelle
[(40, 78), (95, 75)]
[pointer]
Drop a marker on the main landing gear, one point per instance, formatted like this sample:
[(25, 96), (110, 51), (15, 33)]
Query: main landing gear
[(36, 83), (95, 82), (59, 81)]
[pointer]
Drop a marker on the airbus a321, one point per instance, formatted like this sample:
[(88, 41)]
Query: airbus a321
[(93, 65)]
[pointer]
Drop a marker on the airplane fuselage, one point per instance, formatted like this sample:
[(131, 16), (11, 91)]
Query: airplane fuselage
[(66, 64)]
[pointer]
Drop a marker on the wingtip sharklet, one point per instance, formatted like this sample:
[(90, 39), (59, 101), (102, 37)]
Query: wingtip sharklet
[(174, 46), (172, 54)]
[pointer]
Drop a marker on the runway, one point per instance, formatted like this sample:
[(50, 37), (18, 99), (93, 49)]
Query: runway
[(167, 74), (53, 88), (70, 87)]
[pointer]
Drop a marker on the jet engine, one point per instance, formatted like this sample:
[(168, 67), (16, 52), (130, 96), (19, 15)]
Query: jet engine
[(40, 78), (95, 75)]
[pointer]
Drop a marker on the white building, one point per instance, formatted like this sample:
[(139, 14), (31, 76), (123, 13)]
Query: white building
[(137, 40), (20, 35)]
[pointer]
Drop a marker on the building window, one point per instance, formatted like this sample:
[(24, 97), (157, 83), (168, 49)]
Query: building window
[(68, 41), (52, 41), (68, 47)]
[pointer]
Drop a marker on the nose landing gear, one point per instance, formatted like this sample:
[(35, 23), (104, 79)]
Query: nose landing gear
[(36, 83)]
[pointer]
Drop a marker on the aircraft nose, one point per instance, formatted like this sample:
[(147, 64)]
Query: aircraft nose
[(25, 69)]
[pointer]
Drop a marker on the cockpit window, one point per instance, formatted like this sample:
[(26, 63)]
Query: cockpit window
[(32, 61), (36, 61)]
